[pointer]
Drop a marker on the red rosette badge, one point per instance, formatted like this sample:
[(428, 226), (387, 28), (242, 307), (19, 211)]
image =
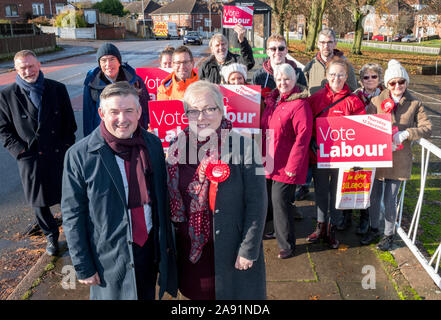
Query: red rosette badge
[(216, 172), (388, 105), (265, 92)]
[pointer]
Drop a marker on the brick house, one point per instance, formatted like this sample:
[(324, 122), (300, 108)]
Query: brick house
[(135, 8), (22, 10), (189, 15)]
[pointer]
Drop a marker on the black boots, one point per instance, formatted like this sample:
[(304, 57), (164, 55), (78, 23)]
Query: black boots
[(363, 227), (370, 237), (52, 245), (330, 237)]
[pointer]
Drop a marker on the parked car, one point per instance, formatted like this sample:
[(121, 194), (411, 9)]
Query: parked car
[(397, 37), (409, 38), (379, 37), (192, 37)]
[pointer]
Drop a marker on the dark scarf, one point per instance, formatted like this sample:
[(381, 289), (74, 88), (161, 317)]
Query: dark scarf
[(134, 151), (35, 90), (199, 214)]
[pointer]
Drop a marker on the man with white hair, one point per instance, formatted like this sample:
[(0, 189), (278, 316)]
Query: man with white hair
[(210, 69)]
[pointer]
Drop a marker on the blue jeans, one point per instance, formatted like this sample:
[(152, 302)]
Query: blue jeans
[(391, 189)]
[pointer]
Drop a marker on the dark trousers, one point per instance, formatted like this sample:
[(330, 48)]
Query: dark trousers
[(46, 222), (145, 269), (281, 196)]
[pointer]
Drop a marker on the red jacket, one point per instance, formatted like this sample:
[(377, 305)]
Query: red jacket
[(351, 105), (291, 122)]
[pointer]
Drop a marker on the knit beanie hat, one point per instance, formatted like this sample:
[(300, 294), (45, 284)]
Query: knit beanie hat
[(395, 70), (234, 67), (108, 49)]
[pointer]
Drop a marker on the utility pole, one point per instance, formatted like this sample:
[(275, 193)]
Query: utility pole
[(143, 18)]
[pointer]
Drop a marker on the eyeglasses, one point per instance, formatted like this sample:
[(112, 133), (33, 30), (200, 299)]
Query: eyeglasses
[(374, 76), (180, 63), (329, 43), (281, 48), (207, 112), (337, 75), (400, 82)]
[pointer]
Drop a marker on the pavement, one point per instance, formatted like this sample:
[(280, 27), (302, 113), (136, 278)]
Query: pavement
[(316, 272)]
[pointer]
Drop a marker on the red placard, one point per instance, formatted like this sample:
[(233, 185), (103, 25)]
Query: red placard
[(167, 119), (152, 78), (233, 15), (242, 106), (354, 141)]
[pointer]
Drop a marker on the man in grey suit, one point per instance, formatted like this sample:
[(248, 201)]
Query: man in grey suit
[(114, 204)]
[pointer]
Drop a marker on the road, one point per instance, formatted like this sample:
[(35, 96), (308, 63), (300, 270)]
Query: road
[(14, 212)]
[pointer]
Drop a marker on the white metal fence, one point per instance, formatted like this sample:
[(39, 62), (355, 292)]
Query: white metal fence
[(399, 47), (410, 237)]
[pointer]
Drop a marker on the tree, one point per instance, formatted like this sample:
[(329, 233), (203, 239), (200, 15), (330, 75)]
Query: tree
[(280, 10), (113, 7), (315, 23)]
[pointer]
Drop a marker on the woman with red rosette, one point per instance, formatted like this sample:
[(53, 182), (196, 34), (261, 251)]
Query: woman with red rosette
[(371, 86), (218, 203), (334, 100), (409, 122), (286, 119)]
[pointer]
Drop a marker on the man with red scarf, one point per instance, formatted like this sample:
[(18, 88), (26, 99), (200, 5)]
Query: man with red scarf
[(114, 204), (315, 70)]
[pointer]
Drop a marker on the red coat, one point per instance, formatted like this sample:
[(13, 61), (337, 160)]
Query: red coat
[(291, 120), (351, 105)]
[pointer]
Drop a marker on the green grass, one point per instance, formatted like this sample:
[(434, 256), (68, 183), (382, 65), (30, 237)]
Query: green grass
[(429, 231)]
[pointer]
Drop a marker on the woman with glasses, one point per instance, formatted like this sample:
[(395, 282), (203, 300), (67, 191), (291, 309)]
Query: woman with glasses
[(287, 120), (335, 99), (370, 81), (218, 203), (411, 123)]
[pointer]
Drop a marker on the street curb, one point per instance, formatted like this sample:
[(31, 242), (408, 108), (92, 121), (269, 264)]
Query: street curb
[(37, 271), (6, 70), (33, 274)]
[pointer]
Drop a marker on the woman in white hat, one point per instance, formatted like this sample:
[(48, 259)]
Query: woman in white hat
[(234, 73), (411, 122)]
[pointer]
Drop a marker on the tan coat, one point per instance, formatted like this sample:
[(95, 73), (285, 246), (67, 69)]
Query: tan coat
[(409, 115)]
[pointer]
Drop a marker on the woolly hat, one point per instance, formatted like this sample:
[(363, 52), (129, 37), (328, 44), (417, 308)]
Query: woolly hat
[(395, 70), (108, 49), (234, 67)]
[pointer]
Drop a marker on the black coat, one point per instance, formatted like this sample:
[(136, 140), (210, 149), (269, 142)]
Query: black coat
[(210, 69), (44, 142)]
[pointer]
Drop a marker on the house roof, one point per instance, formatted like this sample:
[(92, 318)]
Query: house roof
[(135, 6), (181, 6)]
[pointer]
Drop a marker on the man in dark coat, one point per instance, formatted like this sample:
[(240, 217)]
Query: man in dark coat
[(114, 205), (221, 56), (37, 126), (110, 70)]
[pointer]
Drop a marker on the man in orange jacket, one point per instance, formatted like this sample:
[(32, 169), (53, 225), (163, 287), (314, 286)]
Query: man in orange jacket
[(173, 87)]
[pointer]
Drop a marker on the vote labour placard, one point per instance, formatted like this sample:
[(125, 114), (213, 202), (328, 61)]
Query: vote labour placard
[(152, 78), (242, 106), (233, 15), (354, 141), (167, 119)]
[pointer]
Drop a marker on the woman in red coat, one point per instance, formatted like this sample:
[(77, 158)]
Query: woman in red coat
[(336, 92), (287, 122)]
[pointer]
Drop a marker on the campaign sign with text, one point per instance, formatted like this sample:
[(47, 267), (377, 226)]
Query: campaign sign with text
[(167, 119), (152, 78), (354, 141), (242, 106), (233, 15)]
